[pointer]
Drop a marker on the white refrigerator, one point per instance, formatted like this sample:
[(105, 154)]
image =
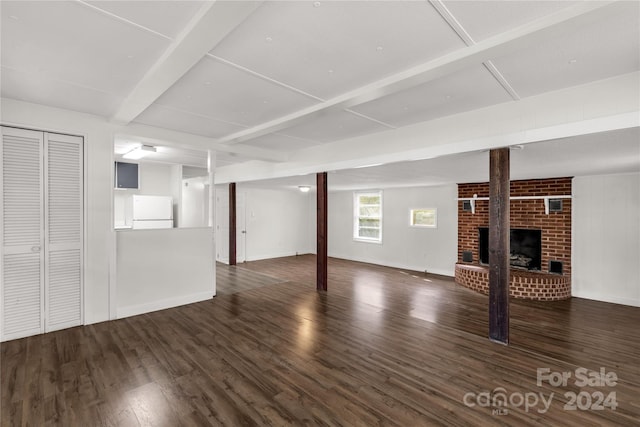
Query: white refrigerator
[(150, 212)]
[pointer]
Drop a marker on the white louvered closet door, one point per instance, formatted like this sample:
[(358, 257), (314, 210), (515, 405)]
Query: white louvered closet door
[(22, 233), (42, 232), (63, 231)]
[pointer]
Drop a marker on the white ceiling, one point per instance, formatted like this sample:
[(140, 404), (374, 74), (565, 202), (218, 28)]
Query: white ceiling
[(284, 76)]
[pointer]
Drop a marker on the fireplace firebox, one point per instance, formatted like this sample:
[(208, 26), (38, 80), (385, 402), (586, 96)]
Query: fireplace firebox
[(525, 248)]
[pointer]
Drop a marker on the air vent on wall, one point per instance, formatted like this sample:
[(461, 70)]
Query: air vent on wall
[(555, 205)]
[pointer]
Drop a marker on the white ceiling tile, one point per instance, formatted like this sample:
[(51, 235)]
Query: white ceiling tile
[(38, 89), (165, 17), (215, 89), (601, 50), (280, 142), (483, 19), (169, 118), (337, 46), (72, 42), (465, 90), (334, 126), (225, 159)]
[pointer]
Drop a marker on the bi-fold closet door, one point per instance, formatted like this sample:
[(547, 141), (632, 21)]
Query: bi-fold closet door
[(42, 232)]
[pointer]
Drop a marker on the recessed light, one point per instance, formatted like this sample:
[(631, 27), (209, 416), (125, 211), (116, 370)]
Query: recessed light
[(130, 56), (265, 102), (304, 188), (268, 39), (316, 4), (573, 61), (448, 96), (14, 17), (330, 71), (207, 83), (379, 48)]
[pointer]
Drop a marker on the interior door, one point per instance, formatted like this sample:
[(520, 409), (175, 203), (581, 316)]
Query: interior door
[(222, 224), (42, 232), (241, 228), (22, 214), (63, 231)]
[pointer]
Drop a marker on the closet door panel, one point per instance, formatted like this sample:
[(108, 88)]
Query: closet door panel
[(22, 233), (64, 230)]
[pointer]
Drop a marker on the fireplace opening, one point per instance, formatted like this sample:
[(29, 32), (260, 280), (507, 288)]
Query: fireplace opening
[(525, 247)]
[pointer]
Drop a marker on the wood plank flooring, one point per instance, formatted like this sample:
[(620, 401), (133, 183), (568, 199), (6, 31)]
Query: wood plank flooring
[(381, 347)]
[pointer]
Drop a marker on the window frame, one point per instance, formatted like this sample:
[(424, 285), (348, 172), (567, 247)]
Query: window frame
[(357, 216), (435, 218)]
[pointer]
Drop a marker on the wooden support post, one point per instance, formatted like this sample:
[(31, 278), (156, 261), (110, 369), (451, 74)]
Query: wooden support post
[(499, 230), (232, 223), (321, 234)]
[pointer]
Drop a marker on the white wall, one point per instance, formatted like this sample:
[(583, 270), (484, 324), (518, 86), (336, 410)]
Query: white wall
[(158, 269), (606, 238), (194, 202), (419, 249), (100, 296), (277, 222)]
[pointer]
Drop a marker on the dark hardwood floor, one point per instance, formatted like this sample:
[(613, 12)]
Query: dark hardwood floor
[(381, 347)]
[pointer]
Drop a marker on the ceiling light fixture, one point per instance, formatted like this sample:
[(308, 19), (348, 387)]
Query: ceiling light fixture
[(379, 48), (139, 152), (268, 39), (573, 61), (304, 188), (316, 4)]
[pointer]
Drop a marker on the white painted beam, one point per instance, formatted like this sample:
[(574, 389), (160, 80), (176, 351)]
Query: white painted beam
[(208, 27), (501, 44), (605, 105), (153, 135)]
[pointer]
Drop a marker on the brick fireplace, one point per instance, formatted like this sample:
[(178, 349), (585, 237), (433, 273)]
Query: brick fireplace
[(541, 213)]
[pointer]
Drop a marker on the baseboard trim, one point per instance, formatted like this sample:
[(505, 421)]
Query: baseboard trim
[(610, 299), (135, 310), (440, 272)]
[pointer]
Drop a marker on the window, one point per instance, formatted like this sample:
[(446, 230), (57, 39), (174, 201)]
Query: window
[(423, 218), (367, 216)]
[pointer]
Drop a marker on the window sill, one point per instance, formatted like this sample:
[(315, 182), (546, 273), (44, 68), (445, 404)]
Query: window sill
[(360, 240)]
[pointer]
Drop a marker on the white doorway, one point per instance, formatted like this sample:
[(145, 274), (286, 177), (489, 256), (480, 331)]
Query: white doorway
[(241, 228)]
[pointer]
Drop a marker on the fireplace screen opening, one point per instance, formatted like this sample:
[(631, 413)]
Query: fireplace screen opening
[(525, 246)]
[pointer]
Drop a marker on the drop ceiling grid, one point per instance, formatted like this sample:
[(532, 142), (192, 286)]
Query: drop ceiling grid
[(37, 37), (216, 89), (333, 125), (606, 48), (184, 121), (167, 18), (338, 46), (483, 19), (465, 90), (37, 88), (280, 142)]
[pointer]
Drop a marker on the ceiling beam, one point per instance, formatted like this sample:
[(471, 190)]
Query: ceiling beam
[(160, 136), (501, 44), (206, 29)]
